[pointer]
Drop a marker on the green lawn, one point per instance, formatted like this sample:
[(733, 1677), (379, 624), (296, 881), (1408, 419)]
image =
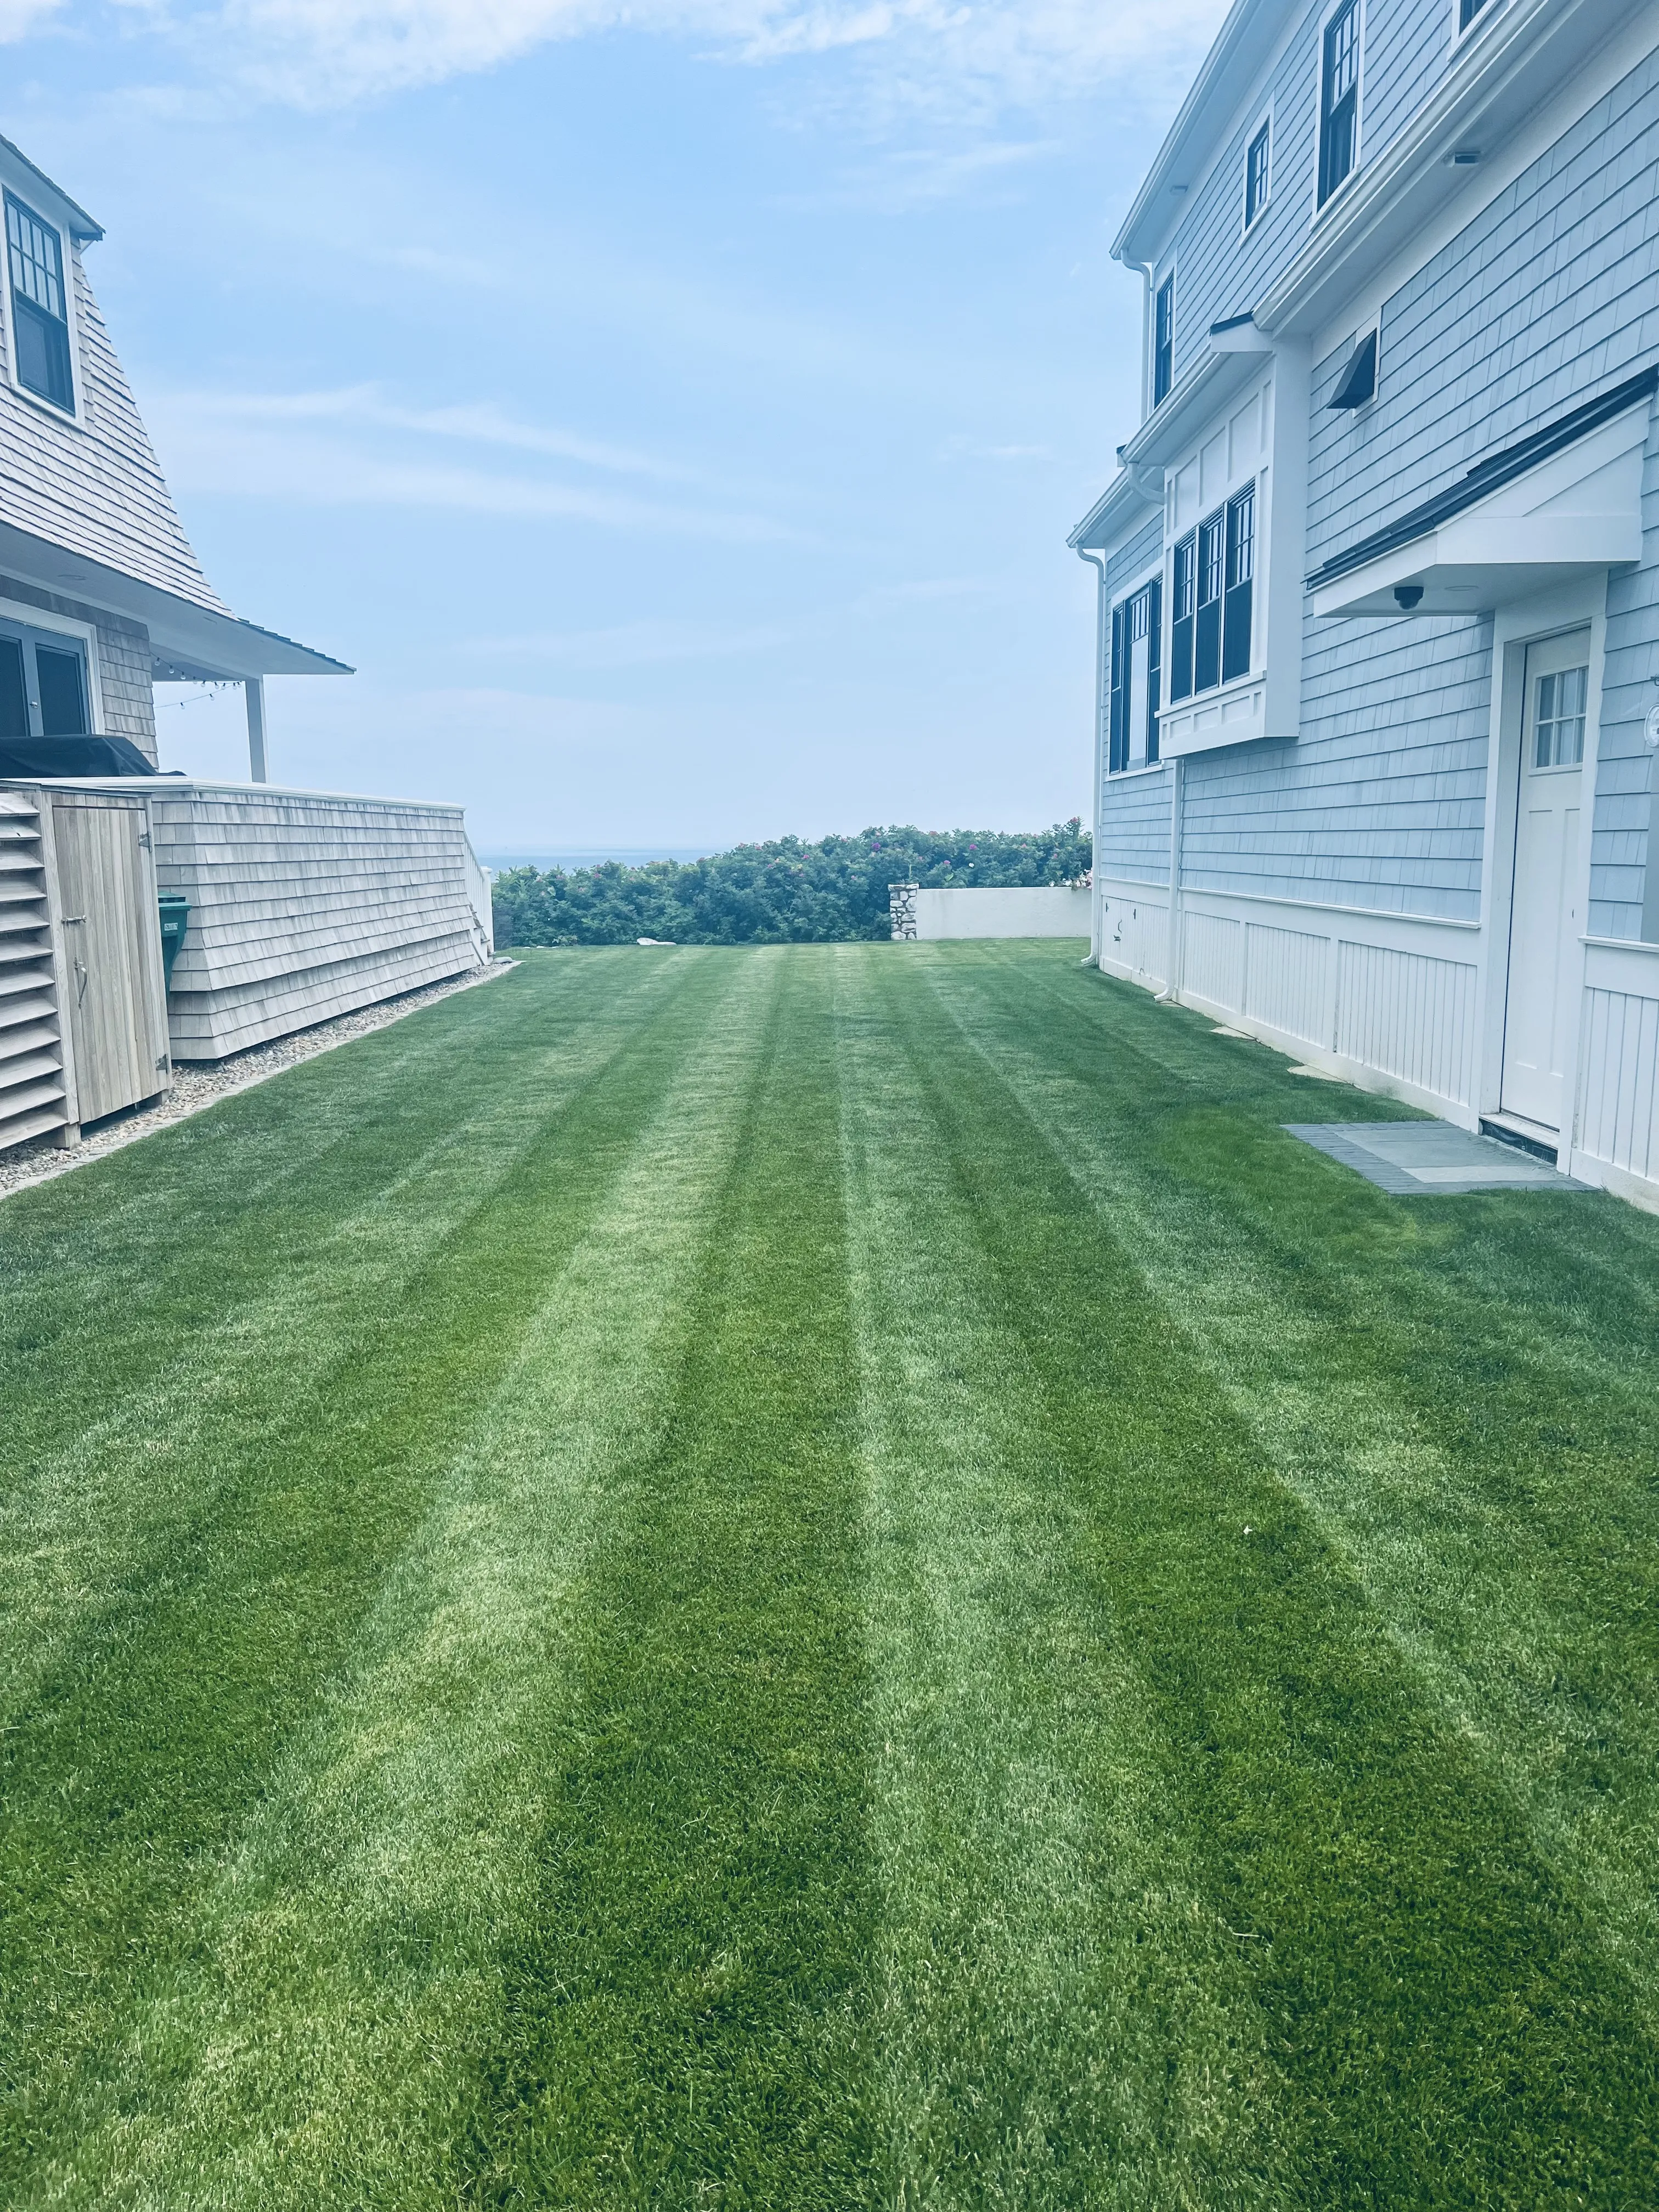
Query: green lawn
[(821, 1577)]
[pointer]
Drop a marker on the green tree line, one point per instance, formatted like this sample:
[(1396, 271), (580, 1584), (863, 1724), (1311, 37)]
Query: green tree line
[(779, 893)]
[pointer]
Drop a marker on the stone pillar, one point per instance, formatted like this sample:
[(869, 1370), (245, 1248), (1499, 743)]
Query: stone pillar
[(902, 906)]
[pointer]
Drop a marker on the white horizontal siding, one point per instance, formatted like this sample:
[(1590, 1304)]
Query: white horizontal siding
[(1132, 839)]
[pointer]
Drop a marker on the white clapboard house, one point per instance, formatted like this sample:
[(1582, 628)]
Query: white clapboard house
[(1379, 572), (301, 904)]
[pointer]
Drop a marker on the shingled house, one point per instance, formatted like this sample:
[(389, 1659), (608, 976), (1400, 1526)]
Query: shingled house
[(301, 904), (1379, 577)]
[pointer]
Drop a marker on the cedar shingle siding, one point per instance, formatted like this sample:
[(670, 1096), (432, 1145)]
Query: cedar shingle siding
[(95, 488)]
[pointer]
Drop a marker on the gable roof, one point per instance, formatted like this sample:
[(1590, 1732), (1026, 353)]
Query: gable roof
[(93, 489)]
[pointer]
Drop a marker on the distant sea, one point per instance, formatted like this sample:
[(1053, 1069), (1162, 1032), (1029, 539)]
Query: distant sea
[(631, 856)]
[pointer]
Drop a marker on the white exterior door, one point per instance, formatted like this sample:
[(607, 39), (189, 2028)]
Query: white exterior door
[(1545, 926)]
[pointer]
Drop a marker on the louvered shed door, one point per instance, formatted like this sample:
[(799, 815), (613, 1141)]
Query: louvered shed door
[(117, 1017), (33, 1089)]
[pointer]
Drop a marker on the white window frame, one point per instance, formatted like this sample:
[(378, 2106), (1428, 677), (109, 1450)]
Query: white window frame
[(1326, 17), (47, 618), (1460, 30), (1247, 220), (70, 261)]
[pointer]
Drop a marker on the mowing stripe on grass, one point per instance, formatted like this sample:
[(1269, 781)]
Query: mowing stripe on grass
[(689, 2026), (146, 1747), (1063, 2016), (1466, 1403), (1446, 2028), (139, 1463), (310, 2051), (108, 1276)]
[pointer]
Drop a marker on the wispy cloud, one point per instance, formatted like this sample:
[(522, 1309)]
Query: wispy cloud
[(355, 447), (328, 52), (18, 17)]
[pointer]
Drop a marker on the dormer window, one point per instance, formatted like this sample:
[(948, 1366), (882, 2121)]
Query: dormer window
[(1467, 12), (1163, 342), (41, 359), (1338, 100)]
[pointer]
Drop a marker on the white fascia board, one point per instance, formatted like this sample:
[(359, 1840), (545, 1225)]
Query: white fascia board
[(1499, 78), (1578, 513), (209, 644), (1244, 44), (1122, 509), (34, 185), (1215, 378)]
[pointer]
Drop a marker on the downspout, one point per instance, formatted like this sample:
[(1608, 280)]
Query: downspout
[(1098, 561)]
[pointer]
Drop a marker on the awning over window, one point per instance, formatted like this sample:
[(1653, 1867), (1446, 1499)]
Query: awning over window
[(1562, 504)]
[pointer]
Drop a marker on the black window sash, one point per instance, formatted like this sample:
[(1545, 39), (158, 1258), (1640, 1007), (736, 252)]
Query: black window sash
[(1206, 630), (1183, 607), (1338, 103), (43, 686), (37, 280), (1154, 661), (1241, 575), (1255, 175), (1117, 751)]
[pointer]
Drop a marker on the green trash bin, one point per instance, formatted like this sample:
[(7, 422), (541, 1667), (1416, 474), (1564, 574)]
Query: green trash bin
[(175, 914)]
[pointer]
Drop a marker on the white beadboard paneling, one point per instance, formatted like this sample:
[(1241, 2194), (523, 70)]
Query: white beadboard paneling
[(1287, 982), (1407, 1015), (1213, 960), (1618, 1080), (1135, 935)]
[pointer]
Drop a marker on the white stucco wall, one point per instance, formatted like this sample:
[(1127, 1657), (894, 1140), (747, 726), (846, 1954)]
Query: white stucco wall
[(1041, 910)]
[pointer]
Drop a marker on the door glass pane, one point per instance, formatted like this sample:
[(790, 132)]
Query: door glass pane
[(62, 694), (1559, 716), (14, 700)]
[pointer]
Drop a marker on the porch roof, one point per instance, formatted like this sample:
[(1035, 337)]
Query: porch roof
[(1521, 519)]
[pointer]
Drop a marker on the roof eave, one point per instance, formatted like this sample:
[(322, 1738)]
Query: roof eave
[(213, 644), (1112, 514), (1242, 45), (73, 216)]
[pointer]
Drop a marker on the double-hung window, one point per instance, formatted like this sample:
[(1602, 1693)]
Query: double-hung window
[(1163, 342), (1338, 100), (1257, 165), (40, 306), (1211, 605), (1136, 680), (43, 684)]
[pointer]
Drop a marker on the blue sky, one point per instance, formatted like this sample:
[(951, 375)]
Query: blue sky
[(674, 412)]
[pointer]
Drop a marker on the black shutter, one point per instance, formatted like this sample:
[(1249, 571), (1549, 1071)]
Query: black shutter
[(1241, 573), (1339, 102), (1206, 640), (1182, 607), (1118, 724)]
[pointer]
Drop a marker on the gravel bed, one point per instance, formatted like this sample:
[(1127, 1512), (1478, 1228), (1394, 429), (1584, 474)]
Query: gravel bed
[(199, 1084)]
